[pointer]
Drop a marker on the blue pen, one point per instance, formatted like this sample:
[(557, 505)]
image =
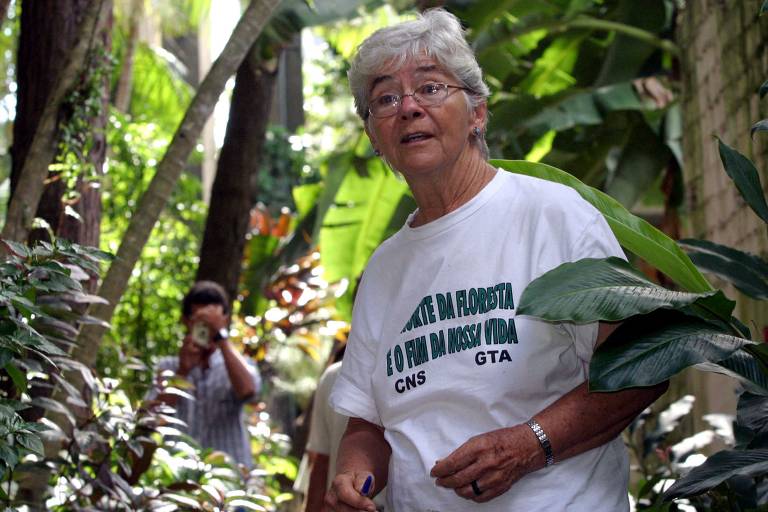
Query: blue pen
[(367, 485)]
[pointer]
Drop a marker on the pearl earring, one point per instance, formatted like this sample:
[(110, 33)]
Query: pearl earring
[(476, 131)]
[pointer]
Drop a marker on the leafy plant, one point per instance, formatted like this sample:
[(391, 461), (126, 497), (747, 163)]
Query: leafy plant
[(41, 302), (665, 331)]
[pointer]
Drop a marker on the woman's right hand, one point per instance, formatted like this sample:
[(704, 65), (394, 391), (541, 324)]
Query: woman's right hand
[(345, 493)]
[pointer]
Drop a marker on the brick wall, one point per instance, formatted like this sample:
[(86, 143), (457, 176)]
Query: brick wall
[(723, 63)]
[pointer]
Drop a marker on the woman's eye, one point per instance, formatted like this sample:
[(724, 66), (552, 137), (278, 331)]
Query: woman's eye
[(387, 99), (430, 89)]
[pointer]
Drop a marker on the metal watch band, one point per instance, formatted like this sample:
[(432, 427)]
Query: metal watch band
[(543, 441)]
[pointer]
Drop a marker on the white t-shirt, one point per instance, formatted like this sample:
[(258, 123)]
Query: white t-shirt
[(436, 354)]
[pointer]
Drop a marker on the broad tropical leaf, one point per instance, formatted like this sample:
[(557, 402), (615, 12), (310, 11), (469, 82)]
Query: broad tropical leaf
[(744, 174), (366, 210), (752, 412), (592, 290), (649, 349), (743, 366), (633, 233), (717, 469), (747, 272)]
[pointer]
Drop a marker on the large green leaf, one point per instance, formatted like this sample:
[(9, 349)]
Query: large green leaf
[(717, 469), (649, 349), (551, 71), (359, 220), (752, 412), (743, 366), (633, 233), (592, 290), (747, 272), (744, 174)]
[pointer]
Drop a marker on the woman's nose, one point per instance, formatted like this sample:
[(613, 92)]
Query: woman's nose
[(410, 108)]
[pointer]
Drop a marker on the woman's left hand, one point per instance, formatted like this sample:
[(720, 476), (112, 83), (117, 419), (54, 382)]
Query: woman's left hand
[(493, 461)]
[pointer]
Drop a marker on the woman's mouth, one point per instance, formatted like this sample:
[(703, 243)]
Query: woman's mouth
[(415, 137)]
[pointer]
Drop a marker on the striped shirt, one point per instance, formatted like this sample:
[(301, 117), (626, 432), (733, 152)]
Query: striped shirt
[(215, 418)]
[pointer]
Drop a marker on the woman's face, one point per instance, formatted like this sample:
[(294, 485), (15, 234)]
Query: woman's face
[(418, 139)]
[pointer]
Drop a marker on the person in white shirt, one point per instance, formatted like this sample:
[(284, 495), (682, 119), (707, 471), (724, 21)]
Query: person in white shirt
[(456, 403)]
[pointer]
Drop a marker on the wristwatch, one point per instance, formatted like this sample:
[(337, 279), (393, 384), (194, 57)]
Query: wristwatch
[(221, 334)]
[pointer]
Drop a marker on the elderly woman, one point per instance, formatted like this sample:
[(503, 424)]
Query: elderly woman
[(456, 403)]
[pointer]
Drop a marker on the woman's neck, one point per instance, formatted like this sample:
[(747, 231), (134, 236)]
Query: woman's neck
[(445, 191)]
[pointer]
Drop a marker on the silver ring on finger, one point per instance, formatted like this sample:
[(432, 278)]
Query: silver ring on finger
[(476, 488)]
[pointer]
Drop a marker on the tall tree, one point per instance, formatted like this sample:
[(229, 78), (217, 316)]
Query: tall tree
[(35, 137), (232, 194)]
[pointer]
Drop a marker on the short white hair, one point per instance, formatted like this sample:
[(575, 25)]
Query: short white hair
[(435, 33)]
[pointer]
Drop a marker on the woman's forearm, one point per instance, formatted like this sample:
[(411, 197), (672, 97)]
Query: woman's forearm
[(583, 420), (363, 448)]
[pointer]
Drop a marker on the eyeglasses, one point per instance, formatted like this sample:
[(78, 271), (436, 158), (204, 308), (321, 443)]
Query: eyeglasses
[(429, 94)]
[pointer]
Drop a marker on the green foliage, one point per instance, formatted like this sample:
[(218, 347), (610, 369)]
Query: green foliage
[(160, 95), (744, 174), (650, 347), (607, 290), (41, 299), (283, 167), (747, 272), (146, 322), (76, 134)]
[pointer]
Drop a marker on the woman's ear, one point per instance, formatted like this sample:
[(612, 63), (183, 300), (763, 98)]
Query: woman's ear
[(481, 115)]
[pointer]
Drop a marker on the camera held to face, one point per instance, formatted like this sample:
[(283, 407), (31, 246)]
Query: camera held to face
[(201, 335)]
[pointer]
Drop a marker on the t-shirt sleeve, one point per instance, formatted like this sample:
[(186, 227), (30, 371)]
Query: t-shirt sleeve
[(596, 241), (352, 394)]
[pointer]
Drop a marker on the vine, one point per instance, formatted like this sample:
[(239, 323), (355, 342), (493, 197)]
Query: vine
[(77, 132)]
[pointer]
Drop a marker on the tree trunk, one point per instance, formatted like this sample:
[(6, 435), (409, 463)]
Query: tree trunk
[(169, 169), (4, 9), (35, 148), (232, 194)]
